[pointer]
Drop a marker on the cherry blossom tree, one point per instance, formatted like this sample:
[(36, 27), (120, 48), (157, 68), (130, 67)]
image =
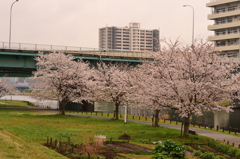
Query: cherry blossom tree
[(59, 76), (110, 84), (194, 78), (6, 87), (149, 91)]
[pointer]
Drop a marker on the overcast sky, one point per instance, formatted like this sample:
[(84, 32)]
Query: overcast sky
[(76, 22)]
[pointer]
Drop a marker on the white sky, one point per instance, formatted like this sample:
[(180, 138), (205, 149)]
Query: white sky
[(76, 22)]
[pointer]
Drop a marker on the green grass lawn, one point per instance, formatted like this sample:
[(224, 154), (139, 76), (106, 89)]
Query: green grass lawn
[(149, 119), (23, 132), (9, 103)]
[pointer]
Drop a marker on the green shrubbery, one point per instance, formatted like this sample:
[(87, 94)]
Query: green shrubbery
[(228, 149), (209, 155), (197, 153), (169, 148)]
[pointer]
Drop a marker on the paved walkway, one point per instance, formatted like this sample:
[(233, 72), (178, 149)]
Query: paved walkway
[(211, 134)]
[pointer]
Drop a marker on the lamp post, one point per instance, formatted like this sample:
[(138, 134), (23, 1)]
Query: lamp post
[(11, 23), (192, 24)]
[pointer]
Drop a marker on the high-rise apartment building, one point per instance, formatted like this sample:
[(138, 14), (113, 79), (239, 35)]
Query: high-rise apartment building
[(128, 38), (226, 27)]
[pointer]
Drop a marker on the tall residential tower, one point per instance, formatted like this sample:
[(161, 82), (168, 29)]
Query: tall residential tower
[(128, 38), (226, 27)]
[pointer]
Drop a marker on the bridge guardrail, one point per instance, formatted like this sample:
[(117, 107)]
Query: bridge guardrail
[(73, 50)]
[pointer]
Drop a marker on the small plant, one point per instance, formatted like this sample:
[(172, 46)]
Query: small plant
[(145, 141), (159, 156), (228, 149), (141, 152), (197, 153), (219, 157), (118, 150), (209, 155), (169, 148)]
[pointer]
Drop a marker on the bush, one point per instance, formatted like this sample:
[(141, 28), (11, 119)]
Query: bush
[(141, 152), (159, 156), (233, 151), (145, 141), (208, 155), (228, 149), (169, 148), (197, 153), (219, 157)]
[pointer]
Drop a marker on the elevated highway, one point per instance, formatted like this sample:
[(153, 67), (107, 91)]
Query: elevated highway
[(17, 59)]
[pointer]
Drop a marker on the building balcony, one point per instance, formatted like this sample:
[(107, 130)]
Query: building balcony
[(223, 37), (227, 48), (225, 14), (223, 26), (213, 3)]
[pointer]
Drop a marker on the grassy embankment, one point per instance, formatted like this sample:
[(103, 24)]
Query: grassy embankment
[(22, 133), (8, 103)]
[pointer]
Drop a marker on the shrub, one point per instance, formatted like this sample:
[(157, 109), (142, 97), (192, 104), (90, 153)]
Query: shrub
[(219, 157), (233, 151), (209, 155), (159, 156), (228, 149), (145, 141), (197, 153), (141, 152), (169, 148)]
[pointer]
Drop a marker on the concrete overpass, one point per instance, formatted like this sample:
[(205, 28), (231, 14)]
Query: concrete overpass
[(17, 59)]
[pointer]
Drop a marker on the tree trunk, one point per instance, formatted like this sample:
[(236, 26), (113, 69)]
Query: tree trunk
[(117, 110), (186, 125), (156, 118), (62, 106)]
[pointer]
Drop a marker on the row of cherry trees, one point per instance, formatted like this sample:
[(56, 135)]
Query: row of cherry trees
[(190, 80)]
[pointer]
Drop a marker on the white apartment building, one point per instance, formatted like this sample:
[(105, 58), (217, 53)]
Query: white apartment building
[(226, 27), (130, 38)]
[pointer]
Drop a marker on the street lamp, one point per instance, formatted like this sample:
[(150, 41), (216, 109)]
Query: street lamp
[(193, 24), (11, 23)]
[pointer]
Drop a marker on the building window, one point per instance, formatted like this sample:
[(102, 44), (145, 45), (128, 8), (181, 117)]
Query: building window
[(220, 32), (220, 21), (220, 10), (221, 43), (232, 42), (229, 19), (232, 31), (232, 8)]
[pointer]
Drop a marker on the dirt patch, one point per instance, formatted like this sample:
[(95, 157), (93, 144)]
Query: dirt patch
[(114, 148), (109, 149)]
